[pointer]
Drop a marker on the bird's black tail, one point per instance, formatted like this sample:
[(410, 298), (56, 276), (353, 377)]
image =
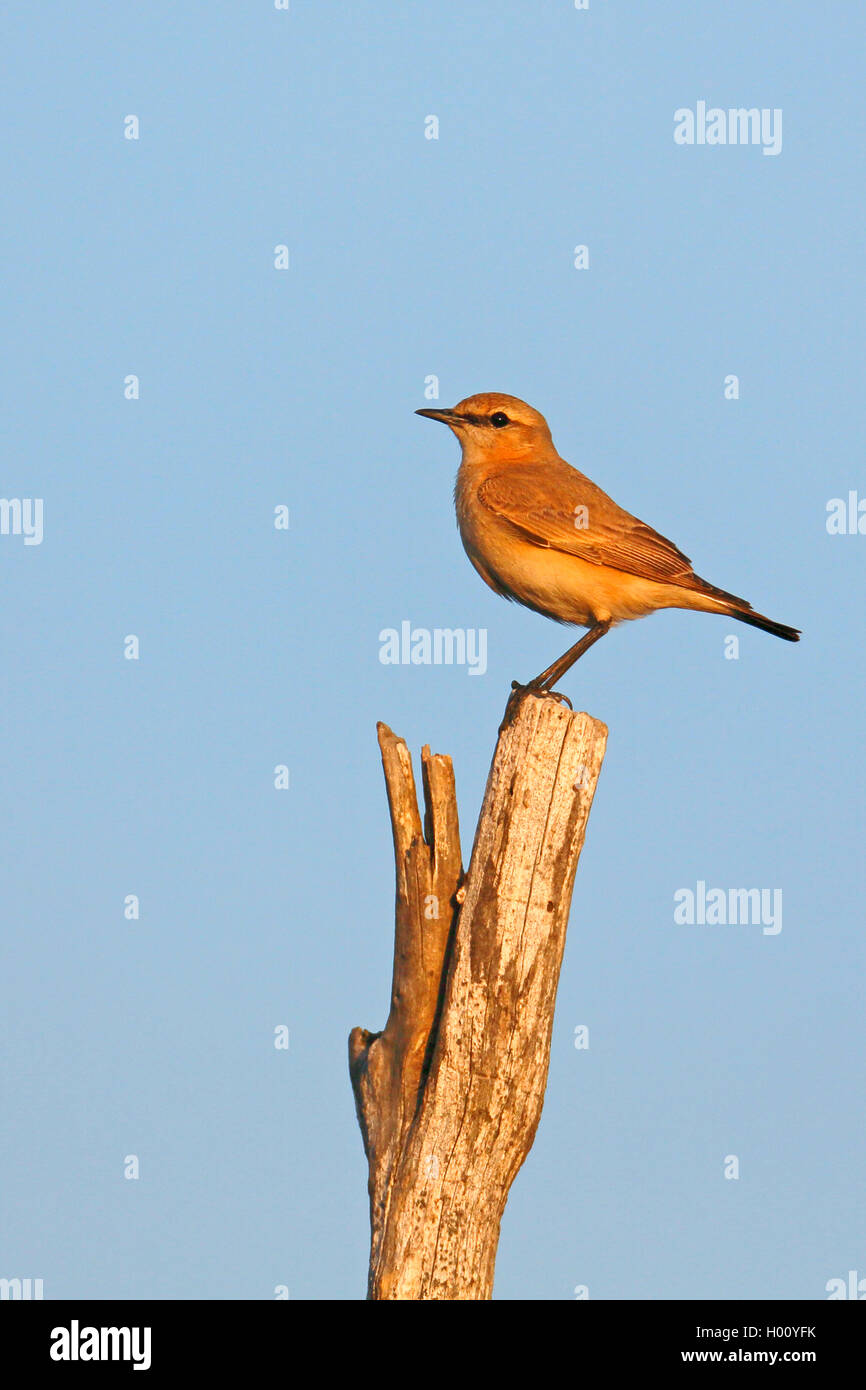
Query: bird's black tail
[(747, 615)]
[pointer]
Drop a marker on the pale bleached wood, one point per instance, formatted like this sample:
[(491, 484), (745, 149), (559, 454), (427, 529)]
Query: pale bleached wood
[(450, 1094), (387, 1068)]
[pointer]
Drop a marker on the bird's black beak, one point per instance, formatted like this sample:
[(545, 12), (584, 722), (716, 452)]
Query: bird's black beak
[(448, 417)]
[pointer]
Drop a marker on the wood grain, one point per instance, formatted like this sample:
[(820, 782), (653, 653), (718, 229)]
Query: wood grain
[(450, 1094)]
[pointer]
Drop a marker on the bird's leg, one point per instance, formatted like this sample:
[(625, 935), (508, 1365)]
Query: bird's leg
[(547, 680), (544, 683)]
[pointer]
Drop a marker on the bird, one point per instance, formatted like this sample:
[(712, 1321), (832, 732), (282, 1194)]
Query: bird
[(539, 532)]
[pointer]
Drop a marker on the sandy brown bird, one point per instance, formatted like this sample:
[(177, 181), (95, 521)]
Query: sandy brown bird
[(541, 533)]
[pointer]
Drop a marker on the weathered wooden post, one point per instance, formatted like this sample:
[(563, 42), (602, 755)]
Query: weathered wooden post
[(450, 1094)]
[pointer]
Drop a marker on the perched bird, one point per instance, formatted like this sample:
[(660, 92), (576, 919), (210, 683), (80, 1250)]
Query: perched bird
[(541, 533)]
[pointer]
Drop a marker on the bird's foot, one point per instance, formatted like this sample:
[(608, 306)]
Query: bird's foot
[(518, 695), (555, 695), (515, 699)]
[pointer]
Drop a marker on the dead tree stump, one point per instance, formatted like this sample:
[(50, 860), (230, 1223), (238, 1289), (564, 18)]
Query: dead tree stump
[(450, 1094)]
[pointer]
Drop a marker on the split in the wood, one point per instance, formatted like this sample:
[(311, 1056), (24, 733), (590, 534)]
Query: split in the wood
[(449, 1094)]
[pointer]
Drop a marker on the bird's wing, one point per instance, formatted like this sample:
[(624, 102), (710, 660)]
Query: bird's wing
[(555, 506)]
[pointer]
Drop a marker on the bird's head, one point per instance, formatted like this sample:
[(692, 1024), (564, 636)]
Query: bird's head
[(492, 425)]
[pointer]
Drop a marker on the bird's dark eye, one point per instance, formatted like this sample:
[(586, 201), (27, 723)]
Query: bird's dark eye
[(499, 420)]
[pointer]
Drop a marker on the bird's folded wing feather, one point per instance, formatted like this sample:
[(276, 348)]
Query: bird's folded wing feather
[(555, 506)]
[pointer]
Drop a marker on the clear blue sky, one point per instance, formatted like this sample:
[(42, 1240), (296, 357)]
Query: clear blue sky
[(412, 257)]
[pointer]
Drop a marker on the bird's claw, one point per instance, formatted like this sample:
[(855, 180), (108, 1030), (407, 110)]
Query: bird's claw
[(519, 693), (544, 693), (557, 695)]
